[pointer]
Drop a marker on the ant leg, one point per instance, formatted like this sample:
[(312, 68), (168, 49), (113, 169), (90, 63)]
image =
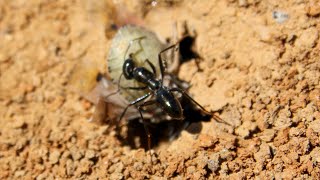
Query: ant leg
[(135, 88), (118, 90), (190, 98), (151, 65), (162, 61), (144, 122), (175, 59), (130, 43), (105, 98), (134, 102), (217, 118), (197, 61), (178, 82)]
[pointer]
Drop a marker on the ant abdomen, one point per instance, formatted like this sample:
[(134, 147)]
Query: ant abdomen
[(170, 104)]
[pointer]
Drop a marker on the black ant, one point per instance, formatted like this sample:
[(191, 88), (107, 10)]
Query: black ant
[(164, 96)]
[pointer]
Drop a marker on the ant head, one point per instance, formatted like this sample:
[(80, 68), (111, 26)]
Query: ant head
[(128, 67)]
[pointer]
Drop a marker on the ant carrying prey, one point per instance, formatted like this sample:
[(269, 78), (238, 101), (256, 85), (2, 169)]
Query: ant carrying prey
[(156, 93)]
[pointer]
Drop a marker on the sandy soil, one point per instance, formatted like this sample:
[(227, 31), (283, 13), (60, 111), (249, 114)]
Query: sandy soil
[(260, 73)]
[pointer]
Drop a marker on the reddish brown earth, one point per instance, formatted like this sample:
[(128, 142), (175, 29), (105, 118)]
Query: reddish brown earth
[(259, 74)]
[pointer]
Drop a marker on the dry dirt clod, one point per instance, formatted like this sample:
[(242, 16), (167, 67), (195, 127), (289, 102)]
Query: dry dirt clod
[(54, 157), (313, 8), (308, 38), (246, 128)]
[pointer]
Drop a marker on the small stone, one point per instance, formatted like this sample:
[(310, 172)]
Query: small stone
[(280, 17), (42, 176), (315, 126), (138, 166), (84, 166), (206, 140), (18, 123), (70, 167), (247, 102), (282, 137), (245, 129), (315, 97), (36, 81), (229, 93), (313, 8), (57, 102), (42, 153), (66, 155), (308, 38), (90, 154), (119, 167), (268, 135), (76, 154), (315, 155), (265, 34), (54, 157), (116, 176), (243, 3), (295, 132), (191, 169), (9, 80), (263, 154), (283, 119), (214, 162), (224, 168), (4, 57), (241, 131), (140, 155), (21, 143), (20, 173)]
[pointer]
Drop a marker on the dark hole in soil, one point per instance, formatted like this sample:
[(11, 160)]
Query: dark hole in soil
[(186, 49)]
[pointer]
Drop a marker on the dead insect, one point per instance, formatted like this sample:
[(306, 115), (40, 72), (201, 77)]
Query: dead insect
[(143, 48)]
